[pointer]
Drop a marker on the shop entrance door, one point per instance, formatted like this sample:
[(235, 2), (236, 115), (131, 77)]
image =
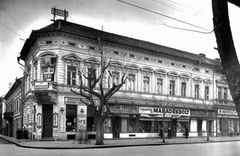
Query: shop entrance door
[(47, 130), (116, 127), (199, 127), (173, 128)]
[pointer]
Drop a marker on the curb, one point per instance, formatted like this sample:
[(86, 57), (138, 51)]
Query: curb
[(116, 145)]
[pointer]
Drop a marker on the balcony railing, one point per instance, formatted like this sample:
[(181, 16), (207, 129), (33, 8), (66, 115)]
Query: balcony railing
[(44, 86)]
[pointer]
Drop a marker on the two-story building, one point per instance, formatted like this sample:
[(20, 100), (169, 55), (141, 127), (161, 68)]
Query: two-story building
[(12, 114), (159, 77)]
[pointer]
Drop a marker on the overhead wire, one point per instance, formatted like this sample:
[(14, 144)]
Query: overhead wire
[(12, 18), (192, 30), (12, 30), (172, 18)]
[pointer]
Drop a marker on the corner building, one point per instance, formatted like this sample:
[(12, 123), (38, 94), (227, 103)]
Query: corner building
[(158, 76)]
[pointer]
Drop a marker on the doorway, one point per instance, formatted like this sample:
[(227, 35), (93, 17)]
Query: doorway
[(47, 131), (199, 125), (116, 127)]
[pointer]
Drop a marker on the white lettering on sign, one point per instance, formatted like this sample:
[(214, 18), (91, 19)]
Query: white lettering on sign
[(227, 112), (41, 85), (156, 110)]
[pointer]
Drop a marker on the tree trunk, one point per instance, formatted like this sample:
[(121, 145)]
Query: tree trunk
[(164, 127), (226, 49), (99, 130), (207, 129)]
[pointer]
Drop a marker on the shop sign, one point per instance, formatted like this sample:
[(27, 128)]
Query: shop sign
[(61, 123), (227, 112), (157, 110), (41, 85), (123, 109)]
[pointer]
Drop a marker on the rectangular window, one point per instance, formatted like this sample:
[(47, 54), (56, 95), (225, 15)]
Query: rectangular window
[(183, 89), (131, 82), (172, 87), (146, 84), (72, 44), (71, 117), (207, 92), (115, 77), (91, 72), (71, 75), (196, 91), (159, 85), (225, 96), (219, 90)]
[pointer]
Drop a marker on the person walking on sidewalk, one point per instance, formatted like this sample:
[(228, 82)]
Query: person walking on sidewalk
[(186, 132), (169, 133)]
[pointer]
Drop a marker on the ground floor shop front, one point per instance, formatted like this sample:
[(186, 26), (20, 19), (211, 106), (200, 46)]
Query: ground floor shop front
[(65, 117)]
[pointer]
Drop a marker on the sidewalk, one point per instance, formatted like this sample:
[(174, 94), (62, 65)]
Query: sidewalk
[(71, 144)]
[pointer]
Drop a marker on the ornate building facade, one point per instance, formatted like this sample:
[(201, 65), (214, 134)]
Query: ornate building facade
[(187, 86)]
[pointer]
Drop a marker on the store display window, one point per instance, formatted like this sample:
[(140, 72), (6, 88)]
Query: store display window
[(71, 115)]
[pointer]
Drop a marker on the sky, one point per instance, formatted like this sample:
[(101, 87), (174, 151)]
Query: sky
[(181, 24)]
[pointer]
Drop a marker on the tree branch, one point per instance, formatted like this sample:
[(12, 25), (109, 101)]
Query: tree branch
[(235, 2)]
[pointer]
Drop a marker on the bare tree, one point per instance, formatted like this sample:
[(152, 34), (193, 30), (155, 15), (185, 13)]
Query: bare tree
[(226, 48), (90, 92), (207, 114), (165, 105)]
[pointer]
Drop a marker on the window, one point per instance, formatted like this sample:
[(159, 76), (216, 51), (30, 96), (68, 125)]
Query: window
[(115, 77), (207, 92), (48, 64), (71, 116), (92, 48), (172, 87), (159, 61), (131, 82), (225, 95), (48, 42), (115, 52), (196, 91), (183, 89), (159, 85), (131, 55), (72, 44), (146, 84), (219, 93), (71, 75), (146, 58)]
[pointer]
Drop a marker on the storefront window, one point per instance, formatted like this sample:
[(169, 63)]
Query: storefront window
[(181, 125), (148, 125), (132, 125), (107, 125), (71, 114)]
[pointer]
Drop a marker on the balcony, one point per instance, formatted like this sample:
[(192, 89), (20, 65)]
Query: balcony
[(44, 86)]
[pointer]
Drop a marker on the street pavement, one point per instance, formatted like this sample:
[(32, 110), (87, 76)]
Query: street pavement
[(113, 143)]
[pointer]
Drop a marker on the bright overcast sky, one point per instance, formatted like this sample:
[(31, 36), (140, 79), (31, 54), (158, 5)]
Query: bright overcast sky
[(19, 17)]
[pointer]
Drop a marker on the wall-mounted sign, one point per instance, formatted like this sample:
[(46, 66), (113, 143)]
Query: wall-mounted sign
[(123, 109), (227, 112), (55, 120), (61, 123), (159, 110), (82, 118), (39, 120), (41, 85)]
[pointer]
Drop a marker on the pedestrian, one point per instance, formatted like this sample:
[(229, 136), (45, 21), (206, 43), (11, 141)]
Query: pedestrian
[(169, 133), (186, 132), (161, 132)]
